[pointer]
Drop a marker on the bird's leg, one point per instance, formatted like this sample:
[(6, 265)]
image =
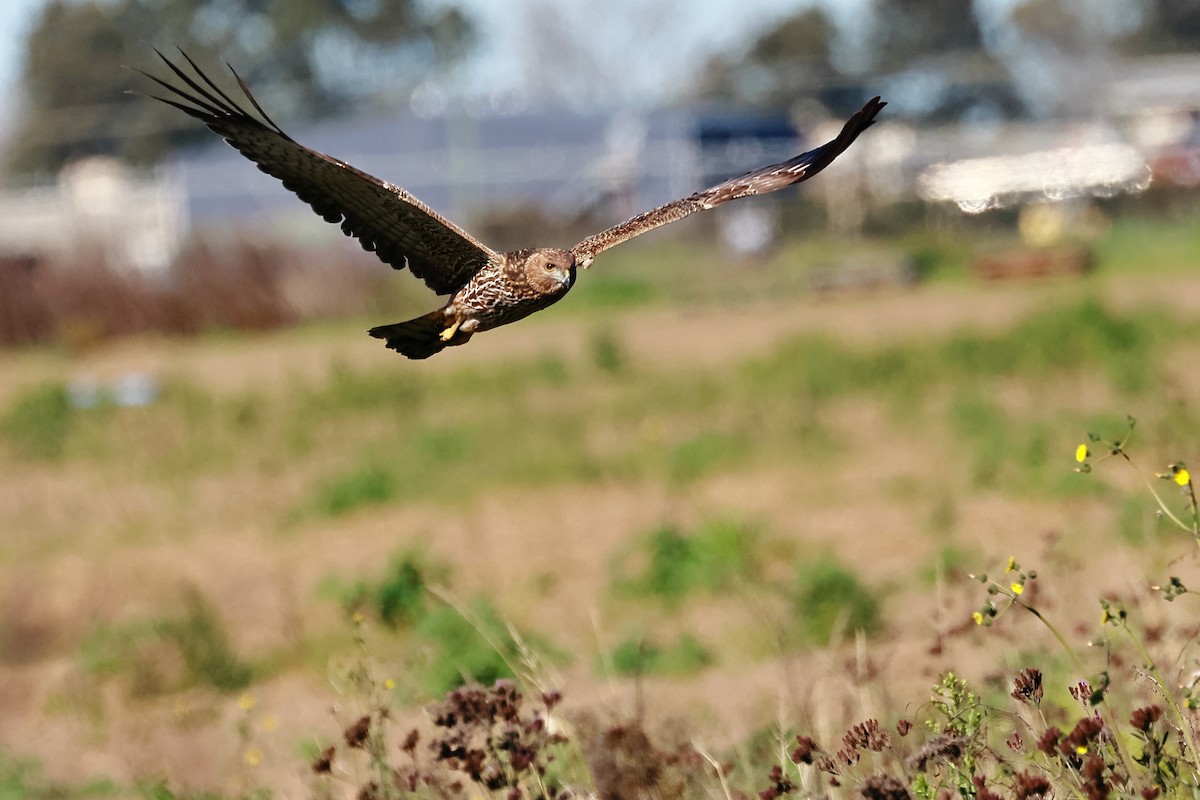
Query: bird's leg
[(448, 334)]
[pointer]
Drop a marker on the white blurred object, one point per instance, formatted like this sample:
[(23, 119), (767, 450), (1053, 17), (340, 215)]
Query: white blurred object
[(979, 184), (134, 389), (748, 230), (130, 390)]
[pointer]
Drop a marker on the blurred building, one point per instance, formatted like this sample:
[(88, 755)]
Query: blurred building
[(97, 209), (569, 165), (561, 163)]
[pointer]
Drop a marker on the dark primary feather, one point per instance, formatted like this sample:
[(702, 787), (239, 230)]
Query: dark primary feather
[(399, 228), (759, 181)]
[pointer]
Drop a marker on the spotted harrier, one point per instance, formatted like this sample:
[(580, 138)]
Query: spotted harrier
[(486, 288)]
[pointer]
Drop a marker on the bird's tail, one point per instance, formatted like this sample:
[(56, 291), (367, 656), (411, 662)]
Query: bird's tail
[(419, 338)]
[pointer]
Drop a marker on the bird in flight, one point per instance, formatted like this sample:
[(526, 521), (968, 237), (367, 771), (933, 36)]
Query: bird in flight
[(487, 289)]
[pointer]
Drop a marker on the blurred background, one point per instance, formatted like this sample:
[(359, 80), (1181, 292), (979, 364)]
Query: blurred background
[(741, 443)]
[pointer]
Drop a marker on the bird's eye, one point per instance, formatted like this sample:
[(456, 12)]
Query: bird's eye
[(551, 266)]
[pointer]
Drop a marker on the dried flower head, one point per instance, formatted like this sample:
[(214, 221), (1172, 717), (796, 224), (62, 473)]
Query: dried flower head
[(982, 792), (324, 762), (805, 748), (1144, 718), (1085, 733), (1048, 741), (867, 736), (883, 787), (780, 785), (1027, 686), (827, 764), (943, 747), (356, 734), (1094, 784), (1028, 786)]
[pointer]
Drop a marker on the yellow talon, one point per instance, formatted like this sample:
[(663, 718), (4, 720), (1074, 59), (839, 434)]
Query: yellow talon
[(448, 334)]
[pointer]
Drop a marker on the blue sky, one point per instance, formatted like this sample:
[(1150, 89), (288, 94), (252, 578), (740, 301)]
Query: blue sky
[(16, 17)]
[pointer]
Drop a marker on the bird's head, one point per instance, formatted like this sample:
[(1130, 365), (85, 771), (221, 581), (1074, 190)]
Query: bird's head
[(550, 271)]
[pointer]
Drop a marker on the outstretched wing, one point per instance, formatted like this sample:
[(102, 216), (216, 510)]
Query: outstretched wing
[(760, 181), (397, 227)]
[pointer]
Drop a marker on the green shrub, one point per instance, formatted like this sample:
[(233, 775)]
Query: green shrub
[(400, 596), (167, 654), (367, 483), (607, 353), (397, 598), (677, 564), (200, 638), (38, 422), (828, 599), (638, 655), (480, 649), (697, 456)]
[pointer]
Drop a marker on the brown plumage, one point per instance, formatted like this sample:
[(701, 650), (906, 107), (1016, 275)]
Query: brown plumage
[(487, 289)]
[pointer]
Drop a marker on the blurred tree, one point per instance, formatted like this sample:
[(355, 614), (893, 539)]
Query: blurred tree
[(312, 58), (793, 58), (1168, 26), (1061, 50), (927, 55), (907, 32), (941, 68), (595, 52)]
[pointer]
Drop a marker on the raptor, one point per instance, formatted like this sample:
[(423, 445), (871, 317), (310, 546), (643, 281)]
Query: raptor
[(486, 288)]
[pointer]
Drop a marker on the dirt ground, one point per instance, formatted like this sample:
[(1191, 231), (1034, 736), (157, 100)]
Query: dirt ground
[(262, 582)]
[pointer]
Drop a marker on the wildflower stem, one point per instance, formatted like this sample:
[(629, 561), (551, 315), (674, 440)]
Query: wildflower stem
[(717, 767), (1184, 727), (1054, 631), (1194, 529), (1118, 738)]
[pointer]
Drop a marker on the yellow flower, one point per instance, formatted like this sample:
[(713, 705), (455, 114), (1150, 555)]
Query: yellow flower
[(246, 701), (270, 722), (1081, 749), (978, 617), (389, 684), (1011, 565), (253, 756), (1182, 477), (1081, 453), (1017, 588)]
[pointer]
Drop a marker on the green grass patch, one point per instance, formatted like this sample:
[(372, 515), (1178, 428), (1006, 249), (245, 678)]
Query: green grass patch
[(21, 779), (1136, 244), (398, 599), (671, 564), (951, 565), (38, 421), (638, 654), (830, 601), (703, 453), (478, 647), (166, 654), (1050, 343), (366, 483)]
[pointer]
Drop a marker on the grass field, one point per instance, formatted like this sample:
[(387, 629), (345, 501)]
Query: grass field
[(725, 514)]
